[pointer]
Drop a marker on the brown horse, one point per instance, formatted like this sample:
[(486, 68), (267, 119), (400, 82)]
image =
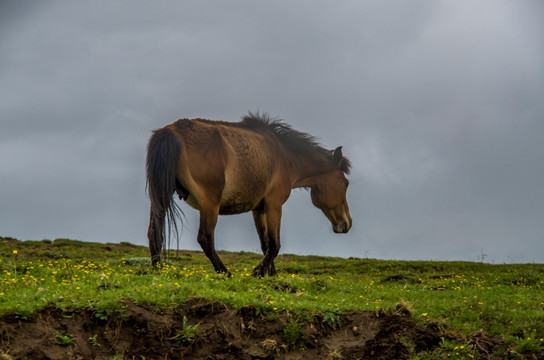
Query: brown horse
[(223, 168)]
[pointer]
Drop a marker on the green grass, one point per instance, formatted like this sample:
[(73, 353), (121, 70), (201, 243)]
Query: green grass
[(459, 297), (292, 333), (64, 340), (189, 334)]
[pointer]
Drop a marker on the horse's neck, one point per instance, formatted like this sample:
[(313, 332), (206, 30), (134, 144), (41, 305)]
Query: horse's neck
[(305, 169)]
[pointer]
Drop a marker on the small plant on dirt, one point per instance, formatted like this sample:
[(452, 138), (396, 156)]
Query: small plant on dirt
[(64, 340), (408, 344), (272, 346), (291, 333), (188, 335), (102, 315), (333, 319), (334, 354), (94, 341)]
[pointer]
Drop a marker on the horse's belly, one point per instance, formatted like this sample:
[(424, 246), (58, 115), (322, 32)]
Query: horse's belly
[(235, 209), (243, 189), (228, 206), (237, 202)]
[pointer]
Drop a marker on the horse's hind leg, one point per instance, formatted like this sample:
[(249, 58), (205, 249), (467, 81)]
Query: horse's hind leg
[(208, 220)]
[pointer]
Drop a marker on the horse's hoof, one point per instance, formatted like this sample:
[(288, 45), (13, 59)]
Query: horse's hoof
[(258, 272), (261, 271), (223, 272)]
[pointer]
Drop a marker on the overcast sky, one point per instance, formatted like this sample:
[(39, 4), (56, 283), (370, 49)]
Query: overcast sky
[(439, 105)]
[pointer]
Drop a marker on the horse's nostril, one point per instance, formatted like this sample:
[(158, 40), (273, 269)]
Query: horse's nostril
[(342, 227)]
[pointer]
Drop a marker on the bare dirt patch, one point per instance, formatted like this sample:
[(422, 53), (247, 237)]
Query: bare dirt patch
[(201, 329)]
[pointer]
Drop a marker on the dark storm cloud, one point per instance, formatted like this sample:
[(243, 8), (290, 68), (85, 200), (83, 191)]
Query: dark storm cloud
[(438, 104)]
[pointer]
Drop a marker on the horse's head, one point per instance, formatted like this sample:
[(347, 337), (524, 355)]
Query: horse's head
[(329, 193)]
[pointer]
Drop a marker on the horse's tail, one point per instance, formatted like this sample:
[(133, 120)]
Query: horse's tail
[(163, 152)]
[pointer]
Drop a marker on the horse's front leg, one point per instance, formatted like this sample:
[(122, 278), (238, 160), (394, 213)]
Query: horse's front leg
[(269, 237), (208, 220)]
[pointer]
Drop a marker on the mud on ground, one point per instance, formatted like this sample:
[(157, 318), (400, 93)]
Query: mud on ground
[(212, 331)]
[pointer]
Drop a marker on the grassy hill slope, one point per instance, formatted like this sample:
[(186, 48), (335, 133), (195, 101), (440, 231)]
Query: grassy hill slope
[(477, 310)]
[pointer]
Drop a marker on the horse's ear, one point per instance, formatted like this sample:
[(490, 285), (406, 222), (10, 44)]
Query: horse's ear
[(337, 156)]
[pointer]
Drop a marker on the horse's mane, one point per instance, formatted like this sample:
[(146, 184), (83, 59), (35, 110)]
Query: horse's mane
[(294, 140)]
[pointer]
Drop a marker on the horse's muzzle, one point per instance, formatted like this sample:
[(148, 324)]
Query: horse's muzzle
[(342, 227)]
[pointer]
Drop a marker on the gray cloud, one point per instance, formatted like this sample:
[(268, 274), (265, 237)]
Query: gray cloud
[(438, 104)]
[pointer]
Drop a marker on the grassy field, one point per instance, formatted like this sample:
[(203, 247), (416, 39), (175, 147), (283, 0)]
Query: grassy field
[(458, 298)]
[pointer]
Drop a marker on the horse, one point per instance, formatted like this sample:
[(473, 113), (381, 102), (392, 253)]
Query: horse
[(223, 168)]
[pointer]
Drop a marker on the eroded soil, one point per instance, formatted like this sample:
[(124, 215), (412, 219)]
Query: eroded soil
[(212, 331)]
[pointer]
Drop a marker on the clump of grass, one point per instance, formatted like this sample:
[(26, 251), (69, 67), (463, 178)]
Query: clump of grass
[(408, 344), (528, 343), (334, 354), (333, 319), (272, 346), (188, 334), (292, 332), (455, 350)]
